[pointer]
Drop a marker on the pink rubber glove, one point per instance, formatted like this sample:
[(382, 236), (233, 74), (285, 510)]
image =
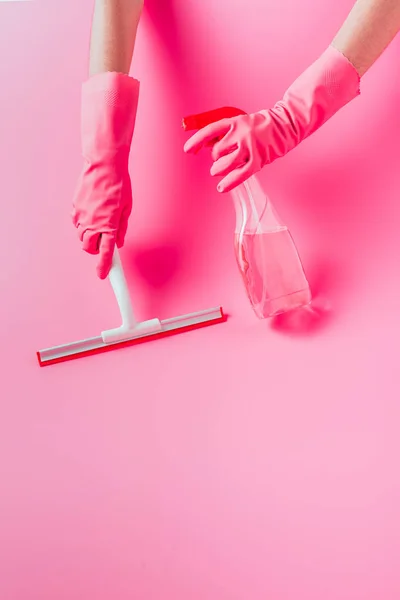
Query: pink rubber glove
[(246, 143), (103, 199)]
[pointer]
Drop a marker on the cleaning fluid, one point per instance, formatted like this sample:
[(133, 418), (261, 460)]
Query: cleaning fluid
[(266, 255)]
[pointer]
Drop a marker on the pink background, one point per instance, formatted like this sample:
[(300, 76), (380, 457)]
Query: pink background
[(251, 460)]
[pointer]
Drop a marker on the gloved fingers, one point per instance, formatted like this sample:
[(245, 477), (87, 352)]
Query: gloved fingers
[(123, 223), (207, 134), (212, 142), (229, 143), (106, 251), (121, 233), (236, 177), (74, 217), (123, 227), (80, 230), (224, 165), (90, 240)]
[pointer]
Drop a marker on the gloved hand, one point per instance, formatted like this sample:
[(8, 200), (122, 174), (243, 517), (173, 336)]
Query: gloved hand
[(246, 143), (103, 199)]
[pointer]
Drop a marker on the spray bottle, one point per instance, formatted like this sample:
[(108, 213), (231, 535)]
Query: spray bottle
[(266, 255)]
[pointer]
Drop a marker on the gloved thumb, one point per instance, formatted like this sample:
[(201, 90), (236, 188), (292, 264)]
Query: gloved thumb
[(123, 227), (106, 251)]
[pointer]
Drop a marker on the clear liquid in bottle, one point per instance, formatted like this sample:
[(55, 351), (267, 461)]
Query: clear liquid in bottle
[(266, 255)]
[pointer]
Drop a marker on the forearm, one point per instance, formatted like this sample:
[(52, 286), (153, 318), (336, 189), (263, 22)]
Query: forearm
[(367, 31), (113, 37)]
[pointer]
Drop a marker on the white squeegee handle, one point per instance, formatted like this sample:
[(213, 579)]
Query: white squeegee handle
[(121, 291), (129, 327)]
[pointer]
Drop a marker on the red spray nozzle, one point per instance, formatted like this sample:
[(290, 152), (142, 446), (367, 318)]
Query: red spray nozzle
[(202, 119)]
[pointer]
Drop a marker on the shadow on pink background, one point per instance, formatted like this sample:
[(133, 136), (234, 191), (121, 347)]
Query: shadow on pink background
[(252, 460)]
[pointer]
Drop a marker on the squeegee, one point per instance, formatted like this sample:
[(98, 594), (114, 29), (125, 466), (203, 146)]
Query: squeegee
[(130, 331)]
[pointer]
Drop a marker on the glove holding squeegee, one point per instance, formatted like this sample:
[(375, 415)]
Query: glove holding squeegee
[(101, 210), (103, 199)]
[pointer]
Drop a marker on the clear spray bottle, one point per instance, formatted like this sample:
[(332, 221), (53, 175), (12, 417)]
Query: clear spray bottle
[(266, 255)]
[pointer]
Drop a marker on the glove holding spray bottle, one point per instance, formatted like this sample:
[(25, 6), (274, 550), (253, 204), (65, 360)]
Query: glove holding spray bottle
[(244, 143), (265, 252)]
